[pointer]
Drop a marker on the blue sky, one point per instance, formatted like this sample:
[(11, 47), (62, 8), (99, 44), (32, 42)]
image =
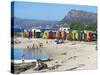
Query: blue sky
[(45, 11)]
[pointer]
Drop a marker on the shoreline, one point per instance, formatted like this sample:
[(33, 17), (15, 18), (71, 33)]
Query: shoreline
[(67, 56)]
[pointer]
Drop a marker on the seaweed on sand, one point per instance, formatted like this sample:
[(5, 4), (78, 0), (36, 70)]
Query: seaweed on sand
[(18, 68)]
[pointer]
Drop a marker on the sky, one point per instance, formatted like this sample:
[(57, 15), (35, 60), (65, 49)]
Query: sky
[(46, 11)]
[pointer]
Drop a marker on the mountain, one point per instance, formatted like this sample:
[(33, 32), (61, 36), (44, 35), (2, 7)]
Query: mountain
[(78, 16), (73, 16), (31, 23)]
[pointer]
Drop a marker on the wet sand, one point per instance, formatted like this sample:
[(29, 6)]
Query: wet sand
[(68, 56)]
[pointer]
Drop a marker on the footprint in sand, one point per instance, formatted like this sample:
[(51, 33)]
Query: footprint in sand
[(73, 57), (73, 68)]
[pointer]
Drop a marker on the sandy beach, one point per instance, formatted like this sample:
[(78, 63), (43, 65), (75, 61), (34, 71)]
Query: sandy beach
[(68, 56)]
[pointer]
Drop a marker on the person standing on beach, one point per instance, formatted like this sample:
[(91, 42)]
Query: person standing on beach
[(23, 57)]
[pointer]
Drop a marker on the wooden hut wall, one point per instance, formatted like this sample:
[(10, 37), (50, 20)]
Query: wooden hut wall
[(85, 39), (57, 34), (94, 36), (87, 36), (45, 35), (82, 36), (54, 35), (73, 36), (65, 35), (68, 35), (26, 34), (50, 35), (76, 35), (23, 34), (79, 36), (38, 34), (90, 36), (62, 35)]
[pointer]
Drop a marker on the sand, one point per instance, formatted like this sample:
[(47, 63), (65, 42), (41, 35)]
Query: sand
[(68, 56)]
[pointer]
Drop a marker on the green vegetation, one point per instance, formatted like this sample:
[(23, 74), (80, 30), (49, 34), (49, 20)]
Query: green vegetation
[(82, 27)]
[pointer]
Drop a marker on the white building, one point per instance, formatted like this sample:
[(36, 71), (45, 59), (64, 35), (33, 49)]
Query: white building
[(36, 30), (64, 29)]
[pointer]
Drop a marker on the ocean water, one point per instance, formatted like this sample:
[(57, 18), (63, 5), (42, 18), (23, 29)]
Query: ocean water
[(19, 54)]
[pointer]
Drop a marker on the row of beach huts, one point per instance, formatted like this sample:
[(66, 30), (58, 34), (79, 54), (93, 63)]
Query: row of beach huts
[(57, 34)]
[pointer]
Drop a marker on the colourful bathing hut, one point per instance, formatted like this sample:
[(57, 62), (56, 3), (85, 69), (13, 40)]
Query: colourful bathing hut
[(36, 33), (56, 35), (68, 36), (90, 37), (85, 38), (94, 36), (25, 34), (50, 35), (73, 37), (45, 35), (65, 35), (76, 35), (29, 34)]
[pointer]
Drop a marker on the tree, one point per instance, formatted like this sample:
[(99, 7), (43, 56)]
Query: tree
[(82, 27), (77, 26), (91, 26)]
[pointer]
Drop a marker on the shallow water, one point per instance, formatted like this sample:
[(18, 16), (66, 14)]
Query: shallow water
[(19, 54)]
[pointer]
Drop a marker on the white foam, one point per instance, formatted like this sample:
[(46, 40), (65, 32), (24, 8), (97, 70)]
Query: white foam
[(26, 61)]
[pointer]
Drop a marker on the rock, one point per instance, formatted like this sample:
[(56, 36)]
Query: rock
[(54, 67), (63, 53), (41, 65), (20, 67), (74, 57)]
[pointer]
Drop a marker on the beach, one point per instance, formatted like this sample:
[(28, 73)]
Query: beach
[(68, 56)]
